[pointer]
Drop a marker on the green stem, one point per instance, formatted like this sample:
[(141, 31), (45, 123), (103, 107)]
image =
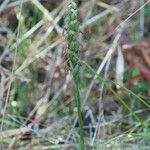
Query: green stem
[(79, 114)]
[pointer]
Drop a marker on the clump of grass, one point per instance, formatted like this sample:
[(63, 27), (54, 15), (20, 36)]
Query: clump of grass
[(74, 66)]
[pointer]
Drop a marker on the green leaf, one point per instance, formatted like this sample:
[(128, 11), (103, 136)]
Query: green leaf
[(73, 25), (143, 86), (70, 35), (71, 15), (141, 135), (135, 72), (74, 5), (73, 46)]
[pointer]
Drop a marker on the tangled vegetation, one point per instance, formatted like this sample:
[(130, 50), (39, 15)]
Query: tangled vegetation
[(74, 74)]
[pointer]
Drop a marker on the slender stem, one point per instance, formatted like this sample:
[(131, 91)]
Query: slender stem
[(72, 32), (79, 114)]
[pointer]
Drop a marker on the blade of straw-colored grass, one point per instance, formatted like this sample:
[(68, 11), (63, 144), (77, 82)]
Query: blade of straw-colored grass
[(101, 113), (13, 69), (132, 14), (26, 35), (142, 16), (2, 90), (95, 18), (120, 66), (29, 33), (105, 5), (31, 130), (16, 3), (14, 132), (55, 22), (37, 56), (3, 5), (47, 15), (31, 59)]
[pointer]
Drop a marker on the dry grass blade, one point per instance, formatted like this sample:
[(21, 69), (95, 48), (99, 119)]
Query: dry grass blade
[(14, 132), (74, 74)]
